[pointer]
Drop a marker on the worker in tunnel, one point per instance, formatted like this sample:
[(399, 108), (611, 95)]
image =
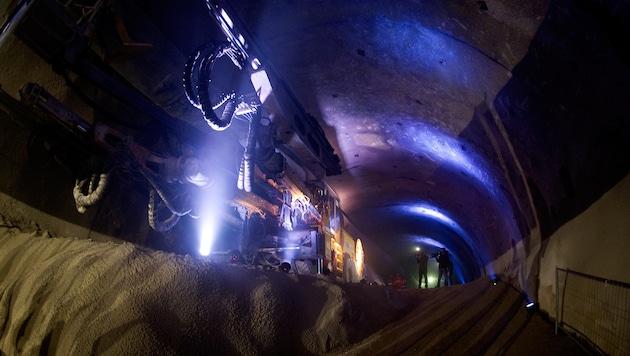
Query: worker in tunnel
[(445, 267), (422, 260)]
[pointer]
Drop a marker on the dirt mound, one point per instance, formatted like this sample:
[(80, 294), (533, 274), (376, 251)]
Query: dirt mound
[(78, 297)]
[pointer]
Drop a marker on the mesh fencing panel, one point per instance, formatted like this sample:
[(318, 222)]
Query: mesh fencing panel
[(594, 310)]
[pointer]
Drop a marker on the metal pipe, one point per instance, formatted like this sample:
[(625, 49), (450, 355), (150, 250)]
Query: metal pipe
[(14, 19), (557, 302)]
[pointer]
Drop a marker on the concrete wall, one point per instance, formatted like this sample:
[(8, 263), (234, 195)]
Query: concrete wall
[(596, 242)]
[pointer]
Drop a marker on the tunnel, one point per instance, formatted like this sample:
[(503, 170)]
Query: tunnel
[(496, 130)]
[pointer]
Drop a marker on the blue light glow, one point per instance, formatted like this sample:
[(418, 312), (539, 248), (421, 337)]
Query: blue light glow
[(429, 211), (439, 147), (209, 226), (427, 49), (427, 241), (207, 233), (448, 152), (409, 48), (211, 207), (227, 18)]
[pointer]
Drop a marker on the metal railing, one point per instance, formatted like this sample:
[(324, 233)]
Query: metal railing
[(595, 311)]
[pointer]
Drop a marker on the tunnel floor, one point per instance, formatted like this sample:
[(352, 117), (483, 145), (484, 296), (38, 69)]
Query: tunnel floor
[(476, 318)]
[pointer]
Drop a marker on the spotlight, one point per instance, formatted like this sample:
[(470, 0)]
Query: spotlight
[(531, 308), (530, 305), (285, 267), (495, 281), (235, 256), (255, 63)]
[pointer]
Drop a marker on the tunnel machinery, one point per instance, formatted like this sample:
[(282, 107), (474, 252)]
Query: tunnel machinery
[(234, 155)]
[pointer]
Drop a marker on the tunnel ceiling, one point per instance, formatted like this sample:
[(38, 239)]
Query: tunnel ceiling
[(467, 124)]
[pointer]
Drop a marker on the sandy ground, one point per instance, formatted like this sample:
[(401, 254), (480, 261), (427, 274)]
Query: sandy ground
[(79, 297)]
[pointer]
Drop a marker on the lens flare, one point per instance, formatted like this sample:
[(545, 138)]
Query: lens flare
[(207, 235), (211, 211)]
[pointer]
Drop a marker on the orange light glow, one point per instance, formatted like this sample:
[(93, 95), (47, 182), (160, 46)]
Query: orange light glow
[(359, 257)]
